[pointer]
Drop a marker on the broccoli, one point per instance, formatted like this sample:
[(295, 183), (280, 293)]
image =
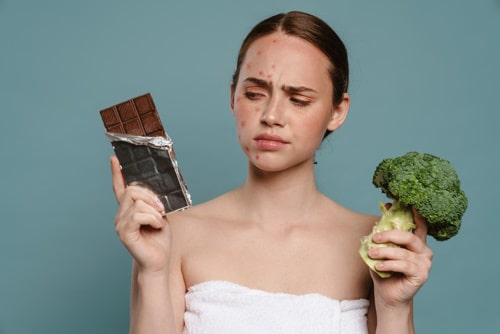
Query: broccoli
[(425, 182)]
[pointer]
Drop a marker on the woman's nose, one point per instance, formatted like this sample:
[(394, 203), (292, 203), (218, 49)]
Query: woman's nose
[(273, 113)]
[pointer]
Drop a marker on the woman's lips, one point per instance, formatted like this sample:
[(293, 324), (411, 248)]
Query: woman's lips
[(270, 142)]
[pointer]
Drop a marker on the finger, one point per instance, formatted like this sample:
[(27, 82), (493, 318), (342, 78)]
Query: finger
[(135, 193), (137, 215), (152, 219), (132, 231), (417, 271), (393, 236), (404, 239), (390, 253), (119, 184), (413, 250), (401, 260)]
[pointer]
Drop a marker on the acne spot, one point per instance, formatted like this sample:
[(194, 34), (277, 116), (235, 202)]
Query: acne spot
[(242, 124), (273, 66), (275, 41), (249, 66), (269, 76), (259, 52), (257, 157), (247, 149), (257, 109), (261, 73)]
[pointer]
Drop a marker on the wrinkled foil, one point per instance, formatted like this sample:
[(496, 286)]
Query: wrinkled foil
[(151, 162)]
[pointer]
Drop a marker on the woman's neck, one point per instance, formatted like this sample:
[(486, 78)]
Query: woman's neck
[(285, 195)]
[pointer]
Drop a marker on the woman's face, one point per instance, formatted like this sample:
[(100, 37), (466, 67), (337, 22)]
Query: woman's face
[(282, 102)]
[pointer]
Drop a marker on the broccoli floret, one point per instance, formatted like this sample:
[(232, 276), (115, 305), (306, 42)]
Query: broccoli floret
[(423, 181)]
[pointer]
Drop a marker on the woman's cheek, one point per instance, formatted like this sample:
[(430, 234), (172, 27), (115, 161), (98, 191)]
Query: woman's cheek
[(245, 135)]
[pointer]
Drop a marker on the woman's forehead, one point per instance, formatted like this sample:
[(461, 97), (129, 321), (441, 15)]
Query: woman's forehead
[(283, 55)]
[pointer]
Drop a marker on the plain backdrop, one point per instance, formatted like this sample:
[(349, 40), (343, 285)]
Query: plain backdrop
[(425, 76)]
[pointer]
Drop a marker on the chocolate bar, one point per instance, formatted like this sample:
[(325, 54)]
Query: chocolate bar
[(145, 151), (153, 168), (137, 116)]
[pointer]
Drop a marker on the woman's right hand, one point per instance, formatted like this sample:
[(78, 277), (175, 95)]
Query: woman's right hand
[(140, 224)]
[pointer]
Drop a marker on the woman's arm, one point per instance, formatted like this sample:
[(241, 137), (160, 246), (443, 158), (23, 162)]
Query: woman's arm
[(392, 304), (156, 303), (390, 321), (395, 320), (151, 309), (147, 236)]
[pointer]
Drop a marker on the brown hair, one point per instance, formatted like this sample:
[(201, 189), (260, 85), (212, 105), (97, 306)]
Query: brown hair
[(313, 30)]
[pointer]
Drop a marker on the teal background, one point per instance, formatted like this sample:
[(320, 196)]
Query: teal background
[(425, 76)]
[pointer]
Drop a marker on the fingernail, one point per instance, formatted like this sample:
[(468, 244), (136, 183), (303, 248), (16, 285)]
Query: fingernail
[(373, 252), (159, 205), (377, 237)]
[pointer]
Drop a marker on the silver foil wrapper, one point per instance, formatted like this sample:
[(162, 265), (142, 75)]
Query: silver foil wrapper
[(151, 162)]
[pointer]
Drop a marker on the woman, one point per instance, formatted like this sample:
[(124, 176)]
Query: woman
[(273, 255)]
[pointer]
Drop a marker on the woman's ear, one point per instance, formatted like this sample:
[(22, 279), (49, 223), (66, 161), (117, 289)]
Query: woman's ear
[(339, 113), (232, 96)]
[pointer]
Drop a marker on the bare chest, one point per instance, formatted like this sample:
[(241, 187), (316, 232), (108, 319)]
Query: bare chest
[(296, 261)]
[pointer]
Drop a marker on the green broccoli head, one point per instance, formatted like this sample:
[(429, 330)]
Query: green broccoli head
[(428, 183)]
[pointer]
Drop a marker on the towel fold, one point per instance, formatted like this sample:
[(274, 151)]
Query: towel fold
[(221, 307)]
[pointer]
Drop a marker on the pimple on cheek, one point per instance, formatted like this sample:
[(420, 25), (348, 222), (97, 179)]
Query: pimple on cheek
[(257, 157), (257, 109), (242, 124), (259, 53)]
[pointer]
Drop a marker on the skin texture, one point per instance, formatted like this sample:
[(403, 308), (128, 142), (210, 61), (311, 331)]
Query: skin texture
[(276, 232)]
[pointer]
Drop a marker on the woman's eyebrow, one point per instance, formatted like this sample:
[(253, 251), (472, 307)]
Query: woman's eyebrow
[(258, 82), (298, 89), (286, 88)]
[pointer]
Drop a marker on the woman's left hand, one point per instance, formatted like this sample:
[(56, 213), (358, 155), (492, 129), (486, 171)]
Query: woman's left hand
[(410, 264)]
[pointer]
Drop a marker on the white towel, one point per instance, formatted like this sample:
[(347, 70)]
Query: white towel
[(219, 307)]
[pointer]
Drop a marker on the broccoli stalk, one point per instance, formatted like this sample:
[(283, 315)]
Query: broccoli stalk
[(398, 217), (422, 181)]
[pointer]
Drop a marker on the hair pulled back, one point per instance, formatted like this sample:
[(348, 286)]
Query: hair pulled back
[(311, 29)]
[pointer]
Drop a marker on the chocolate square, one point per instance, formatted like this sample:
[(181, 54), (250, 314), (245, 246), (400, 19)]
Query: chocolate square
[(137, 116)]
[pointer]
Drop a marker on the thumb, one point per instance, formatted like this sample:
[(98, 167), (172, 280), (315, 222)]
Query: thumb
[(117, 178)]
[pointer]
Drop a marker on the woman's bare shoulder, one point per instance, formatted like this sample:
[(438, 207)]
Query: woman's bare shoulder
[(201, 215), (363, 222)]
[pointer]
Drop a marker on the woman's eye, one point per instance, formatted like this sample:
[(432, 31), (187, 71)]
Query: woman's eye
[(253, 95), (300, 102)]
